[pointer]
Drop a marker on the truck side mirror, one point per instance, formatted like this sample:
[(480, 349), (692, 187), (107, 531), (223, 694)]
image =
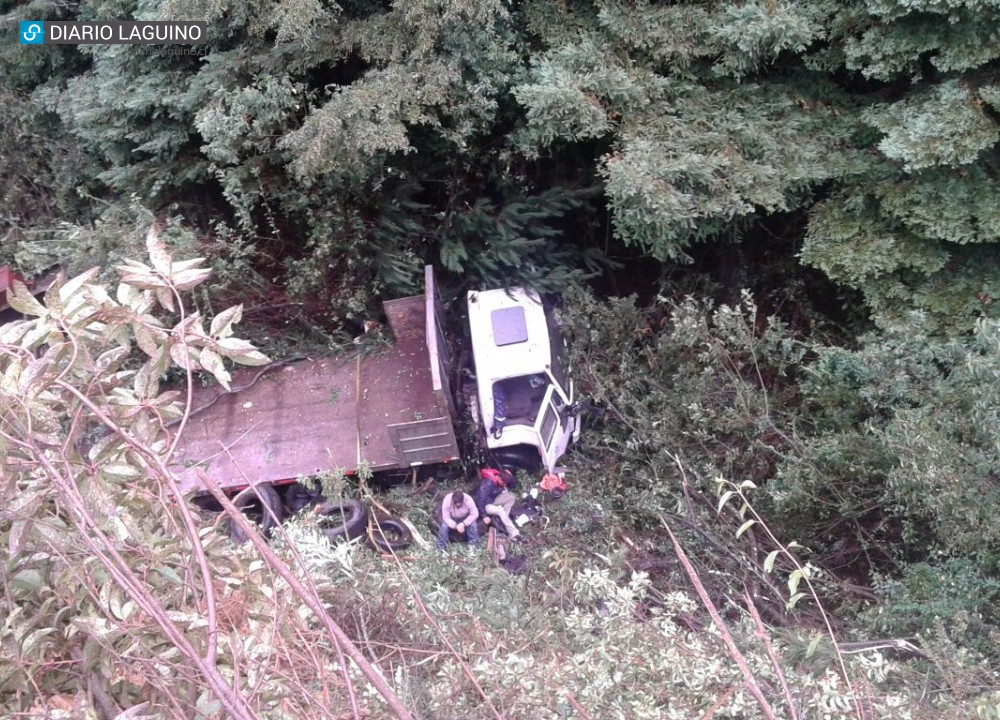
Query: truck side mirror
[(586, 406)]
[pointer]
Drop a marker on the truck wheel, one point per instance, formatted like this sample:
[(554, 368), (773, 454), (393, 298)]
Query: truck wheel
[(390, 536), (261, 506), (343, 519), (300, 496), (519, 457)]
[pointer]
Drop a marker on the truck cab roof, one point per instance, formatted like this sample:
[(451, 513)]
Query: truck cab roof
[(509, 332)]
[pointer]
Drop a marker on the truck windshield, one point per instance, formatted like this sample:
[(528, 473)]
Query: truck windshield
[(521, 397)]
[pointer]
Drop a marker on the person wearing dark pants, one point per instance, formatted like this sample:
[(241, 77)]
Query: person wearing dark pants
[(458, 513)]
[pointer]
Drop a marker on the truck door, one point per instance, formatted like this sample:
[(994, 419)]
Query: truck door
[(552, 427)]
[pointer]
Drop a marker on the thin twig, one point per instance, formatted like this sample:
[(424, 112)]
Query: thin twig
[(765, 637), (577, 706), (710, 713), (163, 474), (812, 592), (310, 585), (107, 553)]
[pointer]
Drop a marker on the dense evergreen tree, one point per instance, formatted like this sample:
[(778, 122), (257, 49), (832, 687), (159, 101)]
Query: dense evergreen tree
[(718, 113), (304, 123), (917, 228)]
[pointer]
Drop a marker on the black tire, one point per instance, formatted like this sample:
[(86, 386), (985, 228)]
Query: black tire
[(299, 497), (518, 457), (390, 535), (347, 518), (261, 506)]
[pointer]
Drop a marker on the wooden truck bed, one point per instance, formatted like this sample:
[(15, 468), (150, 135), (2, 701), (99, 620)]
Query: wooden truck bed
[(390, 409)]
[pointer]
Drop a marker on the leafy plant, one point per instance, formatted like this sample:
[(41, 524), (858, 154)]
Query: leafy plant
[(110, 572)]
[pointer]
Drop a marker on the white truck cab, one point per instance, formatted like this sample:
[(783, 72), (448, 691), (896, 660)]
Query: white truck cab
[(523, 385)]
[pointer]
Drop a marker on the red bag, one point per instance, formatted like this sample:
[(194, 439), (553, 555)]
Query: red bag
[(491, 474), (552, 482)]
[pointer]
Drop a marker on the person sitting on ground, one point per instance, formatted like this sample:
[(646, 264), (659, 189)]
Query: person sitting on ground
[(493, 498), (459, 513)]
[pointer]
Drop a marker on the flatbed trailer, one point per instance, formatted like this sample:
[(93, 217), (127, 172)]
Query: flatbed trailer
[(391, 409)]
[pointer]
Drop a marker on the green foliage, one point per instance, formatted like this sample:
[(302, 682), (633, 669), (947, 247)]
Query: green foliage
[(682, 378), (901, 257), (687, 159), (946, 125), (956, 595), (239, 127), (323, 152), (111, 577), (882, 457), (701, 118), (117, 232), (698, 119), (99, 573), (574, 92), (583, 628), (900, 228), (520, 241), (751, 34), (296, 141), (366, 122), (902, 449), (887, 38), (41, 173), (942, 205), (135, 117)]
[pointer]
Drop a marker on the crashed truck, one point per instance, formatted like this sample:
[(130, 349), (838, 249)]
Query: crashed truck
[(388, 411)]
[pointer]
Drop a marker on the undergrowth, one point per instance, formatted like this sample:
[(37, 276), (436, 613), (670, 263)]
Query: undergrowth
[(581, 627)]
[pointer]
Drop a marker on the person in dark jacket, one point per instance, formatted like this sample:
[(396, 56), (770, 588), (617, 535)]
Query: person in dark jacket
[(494, 499)]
